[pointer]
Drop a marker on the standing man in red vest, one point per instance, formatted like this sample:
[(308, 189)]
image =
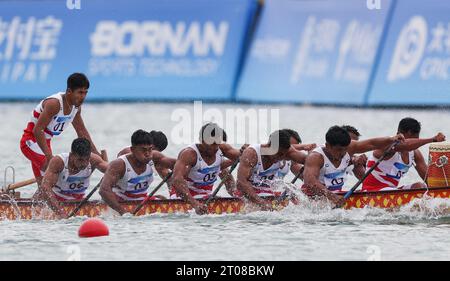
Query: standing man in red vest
[(50, 118)]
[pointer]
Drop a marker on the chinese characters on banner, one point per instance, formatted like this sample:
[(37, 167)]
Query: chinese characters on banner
[(27, 48)]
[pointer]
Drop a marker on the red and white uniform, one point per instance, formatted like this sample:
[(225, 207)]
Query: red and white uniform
[(263, 179), (57, 125), (71, 187), (387, 175), (201, 177), (133, 186)]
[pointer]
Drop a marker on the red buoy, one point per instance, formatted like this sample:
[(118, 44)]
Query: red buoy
[(93, 228)]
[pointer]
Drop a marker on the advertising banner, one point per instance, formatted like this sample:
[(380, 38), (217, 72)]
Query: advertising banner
[(129, 49), (319, 51), (415, 64)]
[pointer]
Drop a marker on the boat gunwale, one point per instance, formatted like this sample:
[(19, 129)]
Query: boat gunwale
[(28, 201)]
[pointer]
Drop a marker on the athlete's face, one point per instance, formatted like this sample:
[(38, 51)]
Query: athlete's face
[(78, 96), (79, 162), (142, 152), (294, 141), (410, 135), (353, 136), (280, 155), (337, 151), (211, 149)]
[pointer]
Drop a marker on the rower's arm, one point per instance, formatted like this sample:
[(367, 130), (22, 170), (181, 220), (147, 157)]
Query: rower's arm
[(373, 144), (98, 163), (313, 164), (297, 168), (296, 155), (305, 147), (185, 162), (421, 165), (81, 130), (229, 151), (230, 183), (51, 107), (124, 151), (163, 161), (114, 171), (163, 172), (248, 161), (413, 144), (51, 175), (226, 163)]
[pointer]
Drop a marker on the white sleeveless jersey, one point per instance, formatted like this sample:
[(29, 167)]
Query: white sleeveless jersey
[(71, 187), (330, 176), (262, 180), (389, 172), (133, 186), (284, 169), (58, 123), (202, 176)]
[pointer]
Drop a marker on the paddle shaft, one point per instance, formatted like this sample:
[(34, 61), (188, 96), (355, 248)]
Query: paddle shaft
[(17, 185), (166, 178), (350, 192), (74, 212), (211, 197), (297, 176)]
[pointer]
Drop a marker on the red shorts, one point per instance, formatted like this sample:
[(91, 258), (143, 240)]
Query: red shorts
[(33, 152)]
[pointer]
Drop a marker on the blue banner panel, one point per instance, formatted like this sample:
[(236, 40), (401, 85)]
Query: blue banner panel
[(314, 51), (415, 65), (129, 49)]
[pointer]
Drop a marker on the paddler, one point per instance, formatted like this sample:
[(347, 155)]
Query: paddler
[(326, 167), (129, 177), (50, 118), (387, 175), (199, 166), (67, 176), (260, 164)]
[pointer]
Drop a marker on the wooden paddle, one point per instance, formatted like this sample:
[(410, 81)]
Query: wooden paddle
[(166, 178), (17, 185), (297, 176), (350, 192), (214, 193)]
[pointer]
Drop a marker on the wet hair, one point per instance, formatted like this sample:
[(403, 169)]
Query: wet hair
[(212, 133), (409, 125), (141, 137), (351, 130), (159, 140), (77, 81), (81, 147), (337, 136), (293, 134), (282, 137)]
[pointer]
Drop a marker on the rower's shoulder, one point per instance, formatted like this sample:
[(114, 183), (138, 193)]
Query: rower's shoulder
[(51, 105), (95, 158), (124, 151), (187, 152), (249, 155), (56, 164), (315, 156)]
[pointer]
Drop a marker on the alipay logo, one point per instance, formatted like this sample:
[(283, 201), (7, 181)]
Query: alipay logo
[(374, 4), (409, 49), (73, 4)]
